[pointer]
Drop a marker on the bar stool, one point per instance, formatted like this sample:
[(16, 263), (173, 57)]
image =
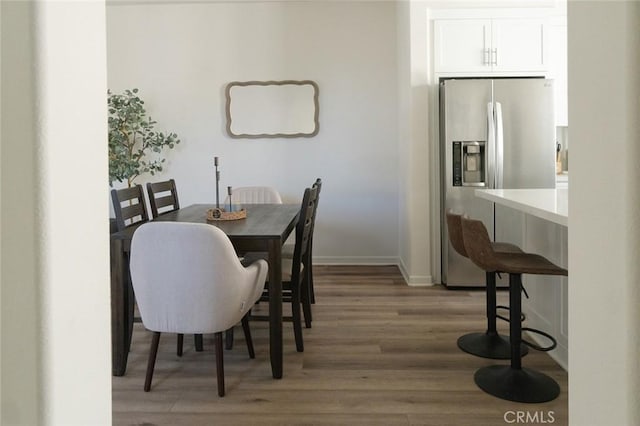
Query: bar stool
[(489, 344), (511, 382)]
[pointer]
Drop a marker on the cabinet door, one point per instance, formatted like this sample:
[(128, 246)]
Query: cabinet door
[(461, 45), (517, 45), (557, 37)]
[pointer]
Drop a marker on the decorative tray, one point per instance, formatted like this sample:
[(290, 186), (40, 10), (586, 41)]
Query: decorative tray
[(221, 214)]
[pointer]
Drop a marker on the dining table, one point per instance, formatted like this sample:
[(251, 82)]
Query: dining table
[(265, 229)]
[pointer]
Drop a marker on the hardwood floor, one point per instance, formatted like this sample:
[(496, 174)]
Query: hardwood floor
[(379, 353)]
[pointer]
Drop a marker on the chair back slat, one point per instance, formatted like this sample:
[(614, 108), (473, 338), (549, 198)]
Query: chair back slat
[(165, 201), (477, 244), (134, 212)]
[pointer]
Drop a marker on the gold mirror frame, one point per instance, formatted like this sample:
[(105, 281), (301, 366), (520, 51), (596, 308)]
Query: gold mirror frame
[(316, 109)]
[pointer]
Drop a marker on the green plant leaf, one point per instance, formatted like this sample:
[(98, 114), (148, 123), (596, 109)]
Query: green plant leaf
[(134, 147)]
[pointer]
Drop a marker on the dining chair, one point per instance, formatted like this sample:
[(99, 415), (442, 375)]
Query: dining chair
[(129, 206), (287, 249), (294, 288), (135, 212), (254, 195), (188, 279), (163, 197), (250, 195)]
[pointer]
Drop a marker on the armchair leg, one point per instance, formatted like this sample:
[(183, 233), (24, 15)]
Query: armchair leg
[(219, 363), (228, 339), (247, 335), (180, 344), (155, 340), (197, 338)]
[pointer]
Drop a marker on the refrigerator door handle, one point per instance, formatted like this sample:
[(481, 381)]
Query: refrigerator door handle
[(499, 170), (491, 146)]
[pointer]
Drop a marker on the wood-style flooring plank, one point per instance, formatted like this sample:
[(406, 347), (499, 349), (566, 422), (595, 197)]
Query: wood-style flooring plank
[(379, 353)]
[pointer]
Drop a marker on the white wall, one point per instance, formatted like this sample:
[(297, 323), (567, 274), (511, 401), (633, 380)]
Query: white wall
[(55, 275), (604, 206), (413, 143), (181, 56), (20, 375)]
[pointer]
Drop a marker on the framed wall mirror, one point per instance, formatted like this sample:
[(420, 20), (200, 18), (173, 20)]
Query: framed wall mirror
[(272, 109)]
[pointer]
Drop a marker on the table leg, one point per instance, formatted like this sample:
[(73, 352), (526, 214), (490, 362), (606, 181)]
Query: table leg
[(121, 309), (275, 307)]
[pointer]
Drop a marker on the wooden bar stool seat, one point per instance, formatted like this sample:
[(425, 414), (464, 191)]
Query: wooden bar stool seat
[(489, 344), (511, 382)]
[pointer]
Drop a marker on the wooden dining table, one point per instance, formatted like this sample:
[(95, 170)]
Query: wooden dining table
[(265, 229)]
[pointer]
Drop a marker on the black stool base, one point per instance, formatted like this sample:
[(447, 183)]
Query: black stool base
[(488, 345), (522, 385)]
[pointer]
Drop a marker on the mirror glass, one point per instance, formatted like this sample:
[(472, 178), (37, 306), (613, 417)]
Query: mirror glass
[(272, 109)]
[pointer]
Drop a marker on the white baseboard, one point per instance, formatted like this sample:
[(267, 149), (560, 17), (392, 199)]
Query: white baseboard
[(415, 280), (412, 280), (355, 260)]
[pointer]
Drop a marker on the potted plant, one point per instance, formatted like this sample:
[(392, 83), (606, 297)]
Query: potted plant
[(134, 145)]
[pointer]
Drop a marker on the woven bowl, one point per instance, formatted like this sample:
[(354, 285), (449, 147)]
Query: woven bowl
[(220, 214)]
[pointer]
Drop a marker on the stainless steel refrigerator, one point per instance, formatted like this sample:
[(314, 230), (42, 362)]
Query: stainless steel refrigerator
[(494, 133)]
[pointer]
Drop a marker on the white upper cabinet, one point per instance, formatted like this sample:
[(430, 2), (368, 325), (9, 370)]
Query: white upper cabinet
[(462, 45), (557, 36), (490, 46), (518, 45)]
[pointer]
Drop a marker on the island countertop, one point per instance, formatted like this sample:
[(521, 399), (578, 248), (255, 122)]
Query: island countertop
[(549, 204)]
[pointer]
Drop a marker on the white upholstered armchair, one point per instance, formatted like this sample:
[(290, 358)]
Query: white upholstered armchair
[(188, 280)]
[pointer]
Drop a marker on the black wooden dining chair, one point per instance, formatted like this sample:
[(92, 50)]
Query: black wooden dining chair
[(294, 278), (308, 262), (129, 206), (287, 249), (163, 197)]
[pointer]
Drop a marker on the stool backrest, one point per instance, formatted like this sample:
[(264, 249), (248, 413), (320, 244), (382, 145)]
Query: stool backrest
[(454, 225), (478, 244)]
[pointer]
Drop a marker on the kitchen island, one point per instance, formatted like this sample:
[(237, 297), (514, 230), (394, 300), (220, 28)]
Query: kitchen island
[(544, 231)]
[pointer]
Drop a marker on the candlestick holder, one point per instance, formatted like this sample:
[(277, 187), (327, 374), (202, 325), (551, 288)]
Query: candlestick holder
[(215, 163), (219, 213)]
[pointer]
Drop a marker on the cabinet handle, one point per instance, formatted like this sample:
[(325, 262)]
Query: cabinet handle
[(486, 57), (495, 56)]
